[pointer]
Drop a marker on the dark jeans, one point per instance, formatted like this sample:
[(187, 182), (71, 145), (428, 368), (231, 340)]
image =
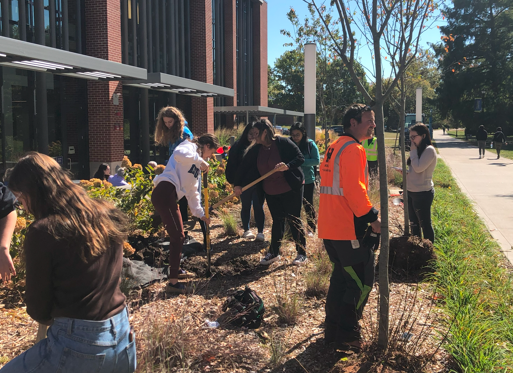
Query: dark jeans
[(253, 196), (309, 206), (419, 209), (350, 285), (286, 206)]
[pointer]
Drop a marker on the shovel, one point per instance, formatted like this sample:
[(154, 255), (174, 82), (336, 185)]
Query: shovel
[(207, 227), (230, 197)]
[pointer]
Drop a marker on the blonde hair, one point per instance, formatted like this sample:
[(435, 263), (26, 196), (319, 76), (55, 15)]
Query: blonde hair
[(262, 125), (93, 225), (163, 135)]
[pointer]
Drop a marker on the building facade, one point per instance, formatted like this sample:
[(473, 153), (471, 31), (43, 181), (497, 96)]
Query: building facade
[(83, 81)]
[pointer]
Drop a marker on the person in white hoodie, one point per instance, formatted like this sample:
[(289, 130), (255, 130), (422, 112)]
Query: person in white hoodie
[(180, 178)]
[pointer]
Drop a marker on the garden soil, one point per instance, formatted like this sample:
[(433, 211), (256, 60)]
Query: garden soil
[(278, 346)]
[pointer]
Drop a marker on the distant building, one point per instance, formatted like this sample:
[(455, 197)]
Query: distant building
[(93, 78)]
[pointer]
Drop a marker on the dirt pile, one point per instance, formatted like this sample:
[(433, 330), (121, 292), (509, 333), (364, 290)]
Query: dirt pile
[(410, 253)]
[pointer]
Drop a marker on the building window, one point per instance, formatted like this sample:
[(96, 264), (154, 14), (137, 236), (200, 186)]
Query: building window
[(244, 52)]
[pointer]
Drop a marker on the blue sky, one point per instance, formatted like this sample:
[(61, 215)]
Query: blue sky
[(277, 20)]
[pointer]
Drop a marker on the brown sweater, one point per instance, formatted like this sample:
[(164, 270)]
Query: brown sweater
[(60, 284)]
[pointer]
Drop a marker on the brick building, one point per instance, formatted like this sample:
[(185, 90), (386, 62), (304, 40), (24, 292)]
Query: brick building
[(85, 83)]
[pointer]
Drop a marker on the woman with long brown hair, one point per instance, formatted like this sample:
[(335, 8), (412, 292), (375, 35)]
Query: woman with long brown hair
[(74, 256)]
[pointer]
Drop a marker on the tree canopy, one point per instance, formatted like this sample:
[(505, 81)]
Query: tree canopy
[(475, 61)]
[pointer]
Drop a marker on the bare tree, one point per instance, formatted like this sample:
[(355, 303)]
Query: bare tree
[(391, 29)]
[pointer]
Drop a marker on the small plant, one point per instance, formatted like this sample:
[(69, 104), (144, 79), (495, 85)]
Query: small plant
[(277, 350), (229, 223), (318, 278), (288, 301)]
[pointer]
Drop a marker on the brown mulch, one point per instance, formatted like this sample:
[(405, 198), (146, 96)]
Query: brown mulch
[(178, 323)]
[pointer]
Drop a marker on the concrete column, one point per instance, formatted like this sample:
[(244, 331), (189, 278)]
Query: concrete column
[(310, 88)]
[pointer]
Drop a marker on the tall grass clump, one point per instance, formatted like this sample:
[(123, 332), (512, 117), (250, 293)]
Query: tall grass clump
[(229, 223), (473, 281), (318, 278), (224, 134), (288, 300)]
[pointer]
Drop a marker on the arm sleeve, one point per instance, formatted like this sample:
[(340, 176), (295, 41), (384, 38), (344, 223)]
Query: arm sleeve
[(245, 165), (194, 199), (352, 176), (314, 154), (38, 258), (293, 151), (6, 201), (421, 164), (187, 134)]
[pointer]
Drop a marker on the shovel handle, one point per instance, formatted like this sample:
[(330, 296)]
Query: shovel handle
[(226, 199)]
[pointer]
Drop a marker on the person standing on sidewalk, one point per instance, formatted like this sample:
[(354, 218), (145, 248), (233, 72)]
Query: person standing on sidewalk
[(181, 179), (312, 160), (422, 162), (481, 137), (283, 189), (254, 196), (345, 212), (498, 139)]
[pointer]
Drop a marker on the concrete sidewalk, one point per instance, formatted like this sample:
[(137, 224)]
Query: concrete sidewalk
[(487, 182)]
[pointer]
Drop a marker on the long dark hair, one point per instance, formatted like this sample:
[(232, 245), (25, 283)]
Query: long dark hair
[(100, 173), (92, 225), (262, 125), (421, 129), (243, 140), (303, 144)]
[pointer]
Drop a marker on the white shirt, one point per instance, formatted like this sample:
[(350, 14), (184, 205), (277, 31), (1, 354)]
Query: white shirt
[(183, 170)]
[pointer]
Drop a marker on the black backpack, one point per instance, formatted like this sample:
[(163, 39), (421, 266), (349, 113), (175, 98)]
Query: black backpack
[(244, 308)]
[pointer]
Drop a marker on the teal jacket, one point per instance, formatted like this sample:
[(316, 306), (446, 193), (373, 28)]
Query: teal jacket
[(312, 159)]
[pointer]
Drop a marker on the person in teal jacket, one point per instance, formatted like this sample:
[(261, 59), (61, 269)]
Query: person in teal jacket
[(312, 160)]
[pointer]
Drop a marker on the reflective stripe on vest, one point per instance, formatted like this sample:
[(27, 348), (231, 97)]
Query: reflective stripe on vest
[(335, 189), (371, 150)]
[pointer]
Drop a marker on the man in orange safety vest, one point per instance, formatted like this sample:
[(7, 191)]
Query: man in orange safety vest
[(345, 213)]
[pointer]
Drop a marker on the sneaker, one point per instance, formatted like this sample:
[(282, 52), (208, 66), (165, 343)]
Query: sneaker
[(260, 237), (182, 274), (300, 259), (269, 258), (178, 288), (248, 235), (310, 235)]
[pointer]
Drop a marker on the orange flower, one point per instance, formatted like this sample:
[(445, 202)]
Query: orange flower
[(128, 250), (138, 166), (160, 168), (126, 162), (21, 224)]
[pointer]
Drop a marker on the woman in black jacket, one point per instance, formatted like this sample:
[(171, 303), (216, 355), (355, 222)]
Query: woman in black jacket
[(283, 189), (254, 195)]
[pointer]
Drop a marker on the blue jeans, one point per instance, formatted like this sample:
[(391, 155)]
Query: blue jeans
[(255, 196), (80, 346)]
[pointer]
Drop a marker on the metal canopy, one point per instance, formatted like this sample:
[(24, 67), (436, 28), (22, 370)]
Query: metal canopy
[(184, 86), (255, 110), (24, 55)]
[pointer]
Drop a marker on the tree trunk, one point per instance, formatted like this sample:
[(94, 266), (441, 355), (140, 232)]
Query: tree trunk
[(403, 158), (384, 250)]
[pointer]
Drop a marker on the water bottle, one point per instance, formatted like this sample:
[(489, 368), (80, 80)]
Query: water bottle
[(491, 145)]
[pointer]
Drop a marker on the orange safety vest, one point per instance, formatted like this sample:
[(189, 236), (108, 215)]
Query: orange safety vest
[(344, 184)]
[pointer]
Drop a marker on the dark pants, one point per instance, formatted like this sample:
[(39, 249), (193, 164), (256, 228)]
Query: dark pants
[(308, 194), (373, 168), (350, 285), (419, 209), (253, 196), (164, 199), (482, 145), (498, 147), (286, 206)]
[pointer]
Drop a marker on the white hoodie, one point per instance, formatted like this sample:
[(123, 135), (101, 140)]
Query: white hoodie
[(183, 170)]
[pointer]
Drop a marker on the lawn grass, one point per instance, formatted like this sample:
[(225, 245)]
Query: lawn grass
[(474, 282)]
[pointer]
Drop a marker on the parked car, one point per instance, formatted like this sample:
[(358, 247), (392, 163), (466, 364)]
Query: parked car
[(286, 131), (279, 128), (339, 130)]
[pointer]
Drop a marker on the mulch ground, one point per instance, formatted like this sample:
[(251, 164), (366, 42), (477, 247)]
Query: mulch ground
[(174, 328)]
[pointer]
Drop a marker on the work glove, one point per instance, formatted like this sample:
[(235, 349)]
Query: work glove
[(371, 239)]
